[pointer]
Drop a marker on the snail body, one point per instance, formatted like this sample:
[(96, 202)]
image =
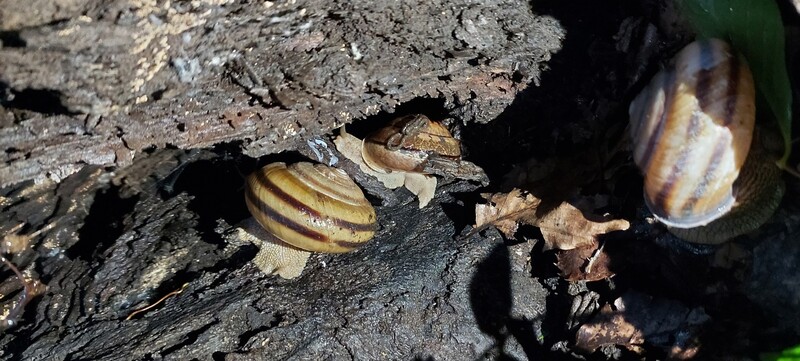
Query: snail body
[(693, 128), (309, 207)]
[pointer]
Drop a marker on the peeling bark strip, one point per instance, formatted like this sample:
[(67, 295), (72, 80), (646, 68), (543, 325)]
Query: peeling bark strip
[(152, 74)]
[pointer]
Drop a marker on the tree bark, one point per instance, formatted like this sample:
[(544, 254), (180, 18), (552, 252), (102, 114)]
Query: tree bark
[(128, 127), (132, 75), (111, 109)]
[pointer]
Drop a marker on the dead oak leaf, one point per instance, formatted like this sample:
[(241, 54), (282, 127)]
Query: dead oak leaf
[(564, 227), (505, 210)]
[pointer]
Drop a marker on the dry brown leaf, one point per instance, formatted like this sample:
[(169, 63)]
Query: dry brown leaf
[(564, 227), (421, 185), (505, 210), (587, 263)]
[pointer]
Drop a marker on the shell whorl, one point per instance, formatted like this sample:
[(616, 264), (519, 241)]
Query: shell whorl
[(692, 129), (759, 190), (310, 206)]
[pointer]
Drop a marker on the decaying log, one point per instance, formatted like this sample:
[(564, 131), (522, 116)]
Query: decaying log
[(131, 75), (127, 127), (133, 247), (111, 110)]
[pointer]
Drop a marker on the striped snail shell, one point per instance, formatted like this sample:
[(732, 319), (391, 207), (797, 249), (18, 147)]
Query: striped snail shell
[(310, 206), (408, 144), (693, 130)]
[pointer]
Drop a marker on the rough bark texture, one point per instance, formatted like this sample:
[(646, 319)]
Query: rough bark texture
[(374, 303), (127, 128), (130, 75), (121, 78)]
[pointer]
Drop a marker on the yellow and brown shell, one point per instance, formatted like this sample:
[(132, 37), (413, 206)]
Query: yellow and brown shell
[(310, 206), (692, 129)]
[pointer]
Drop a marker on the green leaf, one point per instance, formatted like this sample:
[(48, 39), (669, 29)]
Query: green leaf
[(755, 29), (790, 354)]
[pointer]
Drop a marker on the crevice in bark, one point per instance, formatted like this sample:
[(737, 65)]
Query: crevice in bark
[(43, 101), (12, 39), (216, 186), (189, 339), (104, 224)]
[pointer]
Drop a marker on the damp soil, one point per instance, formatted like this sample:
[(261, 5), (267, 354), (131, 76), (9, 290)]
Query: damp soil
[(128, 127)]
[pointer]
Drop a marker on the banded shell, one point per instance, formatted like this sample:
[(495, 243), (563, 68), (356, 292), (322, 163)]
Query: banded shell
[(692, 129), (310, 206), (758, 192), (408, 143)]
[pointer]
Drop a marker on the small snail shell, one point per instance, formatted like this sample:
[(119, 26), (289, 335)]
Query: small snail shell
[(692, 129), (416, 145), (408, 143), (310, 206)]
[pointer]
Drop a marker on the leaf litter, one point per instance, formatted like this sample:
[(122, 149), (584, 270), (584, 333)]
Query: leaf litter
[(574, 231), (635, 317)]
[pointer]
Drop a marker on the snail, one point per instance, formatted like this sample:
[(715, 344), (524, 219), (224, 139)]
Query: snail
[(409, 152), (707, 176), (303, 208), (416, 144)]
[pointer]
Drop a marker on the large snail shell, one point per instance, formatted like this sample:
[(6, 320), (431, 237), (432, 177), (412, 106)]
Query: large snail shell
[(310, 206), (396, 147), (692, 129)]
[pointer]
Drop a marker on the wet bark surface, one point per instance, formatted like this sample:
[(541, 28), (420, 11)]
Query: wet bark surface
[(128, 128)]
